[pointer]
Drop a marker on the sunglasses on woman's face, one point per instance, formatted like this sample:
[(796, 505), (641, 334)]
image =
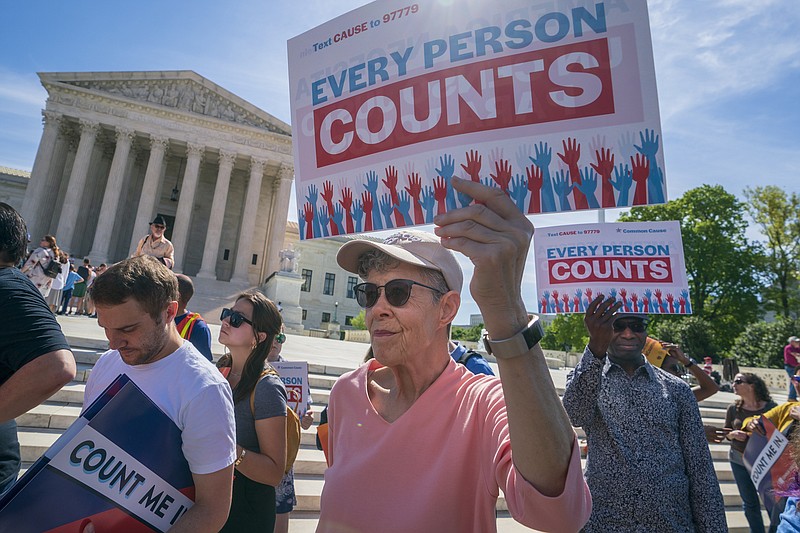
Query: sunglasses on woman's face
[(739, 381), (280, 338), (397, 292), (235, 317)]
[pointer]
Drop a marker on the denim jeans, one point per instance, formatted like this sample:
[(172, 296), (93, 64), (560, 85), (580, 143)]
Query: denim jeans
[(750, 502), (792, 393)]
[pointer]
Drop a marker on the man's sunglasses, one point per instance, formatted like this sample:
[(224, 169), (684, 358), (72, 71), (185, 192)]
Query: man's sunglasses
[(397, 292), (236, 318), (634, 325)]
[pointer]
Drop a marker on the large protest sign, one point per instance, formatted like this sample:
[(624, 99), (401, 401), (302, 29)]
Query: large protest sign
[(641, 263), (294, 375), (770, 463), (554, 102), (118, 467)]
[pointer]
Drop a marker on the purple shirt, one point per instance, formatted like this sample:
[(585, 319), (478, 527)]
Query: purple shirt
[(790, 354)]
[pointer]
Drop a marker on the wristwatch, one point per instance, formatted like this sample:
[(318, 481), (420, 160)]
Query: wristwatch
[(690, 363), (517, 345)]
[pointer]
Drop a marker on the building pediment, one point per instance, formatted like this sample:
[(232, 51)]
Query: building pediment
[(182, 90)]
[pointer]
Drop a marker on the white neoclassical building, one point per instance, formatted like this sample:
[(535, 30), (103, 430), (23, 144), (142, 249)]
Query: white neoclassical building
[(119, 148)]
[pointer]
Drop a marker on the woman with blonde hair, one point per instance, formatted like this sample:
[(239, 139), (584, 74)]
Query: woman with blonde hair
[(38, 261), (248, 331)]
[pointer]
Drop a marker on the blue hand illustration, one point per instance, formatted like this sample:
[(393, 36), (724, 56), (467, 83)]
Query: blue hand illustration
[(563, 189), (404, 206), (685, 295), (358, 214), (301, 222), (612, 293), (387, 209), (372, 188), (428, 203), (542, 155), (623, 182), (338, 218), (322, 218), (518, 191), (589, 185), (312, 194), (579, 294), (488, 182), (448, 166), (546, 295), (649, 148)]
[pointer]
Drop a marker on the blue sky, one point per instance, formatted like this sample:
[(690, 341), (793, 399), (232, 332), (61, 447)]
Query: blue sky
[(728, 74)]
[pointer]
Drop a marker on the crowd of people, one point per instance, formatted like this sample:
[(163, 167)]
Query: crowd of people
[(648, 464)]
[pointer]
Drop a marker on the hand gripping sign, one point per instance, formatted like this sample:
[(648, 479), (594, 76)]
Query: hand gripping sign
[(555, 103)]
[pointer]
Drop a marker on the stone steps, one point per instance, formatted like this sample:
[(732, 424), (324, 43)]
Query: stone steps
[(41, 426)]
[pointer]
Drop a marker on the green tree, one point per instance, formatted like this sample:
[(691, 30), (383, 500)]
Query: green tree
[(778, 215), (472, 333), (566, 332), (693, 334), (723, 284), (359, 321), (761, 343)]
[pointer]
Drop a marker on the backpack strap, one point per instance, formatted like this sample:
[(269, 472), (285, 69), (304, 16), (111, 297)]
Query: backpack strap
[(186, 325)]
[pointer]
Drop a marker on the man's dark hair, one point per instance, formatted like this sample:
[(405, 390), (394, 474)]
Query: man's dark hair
[(142, 278), (13, 235), (185, 288)]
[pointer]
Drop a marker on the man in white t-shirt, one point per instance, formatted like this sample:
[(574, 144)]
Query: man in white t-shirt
[(136, 301)]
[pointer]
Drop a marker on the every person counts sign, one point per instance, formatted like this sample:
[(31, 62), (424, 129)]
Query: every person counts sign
[(640, 263), (553, 102)]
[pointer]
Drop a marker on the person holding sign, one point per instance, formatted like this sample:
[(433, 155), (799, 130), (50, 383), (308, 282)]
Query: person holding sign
[(248, 331), (625, 405), (754, 399), (136, 302), (416, 441)]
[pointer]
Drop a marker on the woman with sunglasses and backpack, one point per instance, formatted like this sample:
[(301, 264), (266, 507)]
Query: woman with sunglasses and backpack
[(248, 331)]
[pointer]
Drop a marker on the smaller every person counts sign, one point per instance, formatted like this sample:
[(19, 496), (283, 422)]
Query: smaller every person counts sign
[(640, 263)]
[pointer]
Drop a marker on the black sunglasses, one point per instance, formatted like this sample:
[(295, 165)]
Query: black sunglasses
[(236, 318), (397, 292), (634, 325), (739, 381)]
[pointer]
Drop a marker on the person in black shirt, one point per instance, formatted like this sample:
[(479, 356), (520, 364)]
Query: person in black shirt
[(35, 359)]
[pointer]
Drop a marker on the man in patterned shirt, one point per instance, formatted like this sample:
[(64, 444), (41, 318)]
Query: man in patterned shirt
[(648, 465)]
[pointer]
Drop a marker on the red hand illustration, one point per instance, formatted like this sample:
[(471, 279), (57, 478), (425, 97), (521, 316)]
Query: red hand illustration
[(440, 193), (571, 157), (347, 202), (640, 170), (682, 305), (473, 166), (366, 199), (565, 299), (604, 167), (391, 182), (415, 189), (670, 300), (535, 186), (502, 174), (308, 210), (327, 195)]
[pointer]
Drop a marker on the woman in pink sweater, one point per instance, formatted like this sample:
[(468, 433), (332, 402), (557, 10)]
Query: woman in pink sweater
[(417, 442)]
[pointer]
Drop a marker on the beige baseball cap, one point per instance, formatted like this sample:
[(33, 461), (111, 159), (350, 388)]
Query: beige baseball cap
[(414, 247)]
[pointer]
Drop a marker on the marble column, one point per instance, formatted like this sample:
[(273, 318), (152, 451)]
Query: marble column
[(111, 195), (58, 165), (208, 268), (32, 202), (77, 182), (283, 190), (147, 198), (252, 197), (183, 216)]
